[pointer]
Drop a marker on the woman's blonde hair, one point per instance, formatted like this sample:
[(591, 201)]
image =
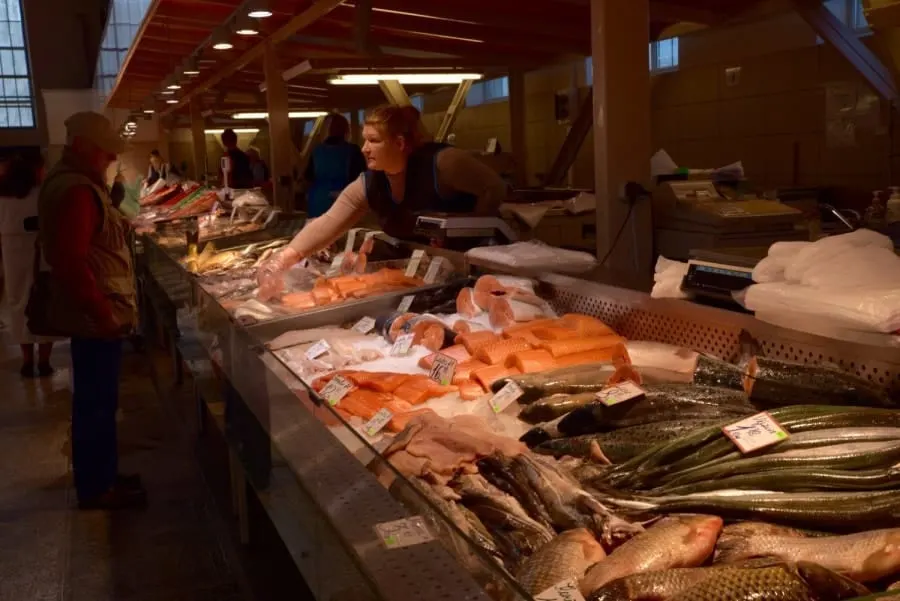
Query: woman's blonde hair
[(393, 121)]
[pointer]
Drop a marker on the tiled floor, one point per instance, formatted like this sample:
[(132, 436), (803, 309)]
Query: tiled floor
[(175, 550)]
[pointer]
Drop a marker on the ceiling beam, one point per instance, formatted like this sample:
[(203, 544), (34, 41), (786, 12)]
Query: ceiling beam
[(312, 14), (151, 12), (362, 29)]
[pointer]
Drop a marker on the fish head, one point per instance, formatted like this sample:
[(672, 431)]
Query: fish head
[(700, 535), (828, 585)]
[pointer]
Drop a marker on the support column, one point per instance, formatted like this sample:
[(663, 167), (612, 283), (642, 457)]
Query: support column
[(281, 161), (518, 126), (394, 92), (198, 136), (620, 42)]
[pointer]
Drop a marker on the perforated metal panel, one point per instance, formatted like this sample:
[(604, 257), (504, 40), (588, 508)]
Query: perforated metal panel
[(638, 317)]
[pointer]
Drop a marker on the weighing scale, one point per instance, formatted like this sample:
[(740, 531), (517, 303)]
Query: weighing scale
[(717, 275), (456, 229)]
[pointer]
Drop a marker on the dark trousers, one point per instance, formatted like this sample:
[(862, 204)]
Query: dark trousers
[(95, 373)]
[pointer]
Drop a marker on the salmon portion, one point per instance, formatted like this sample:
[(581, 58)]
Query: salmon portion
[(418, 389), (532, 361), (401, 420), (364, 403), (457, 352), (528, 326), (465, 303), (378, 381), (555, 332), (485, 287), (461, 327), (397, 326), (490, 374), (470, 391), (465, 370), (475, 340), (585, 325), (561, 348), (496, 353), (323, 295), (299, 301), (597, 356)]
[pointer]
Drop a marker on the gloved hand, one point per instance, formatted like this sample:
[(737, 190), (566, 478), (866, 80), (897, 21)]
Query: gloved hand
[(270, 274)]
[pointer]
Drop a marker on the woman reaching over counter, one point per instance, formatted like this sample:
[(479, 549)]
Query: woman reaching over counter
[(407, 175)]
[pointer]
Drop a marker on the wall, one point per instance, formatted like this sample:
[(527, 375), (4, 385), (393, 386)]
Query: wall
[(181, 148)]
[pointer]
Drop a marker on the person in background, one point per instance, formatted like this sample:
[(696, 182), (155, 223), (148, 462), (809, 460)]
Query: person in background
[(407, 175), (93, 297), (333, 165), (159, 170), (19, 189), (241, 176), (258, 167)]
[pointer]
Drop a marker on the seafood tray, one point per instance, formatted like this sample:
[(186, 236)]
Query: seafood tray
[(282, 227)]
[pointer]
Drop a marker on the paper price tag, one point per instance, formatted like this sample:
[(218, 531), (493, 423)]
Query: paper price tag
[(402, 344), (336, 390), (505, 397), (443, 369), (318, 349), (563, 591), (335, 267), (377, 423), (404, 533), (413, 266), (621, 392), (406, 303), (755, 432), (364, 325), (258, 214), (233, 213), (370, 235), (434, 268), (351, 239), (270, 218)]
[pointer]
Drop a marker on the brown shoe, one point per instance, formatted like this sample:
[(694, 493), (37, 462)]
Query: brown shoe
[(116, 498)]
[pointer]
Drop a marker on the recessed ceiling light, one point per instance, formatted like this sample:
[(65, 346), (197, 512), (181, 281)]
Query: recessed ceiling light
[(171, 101), (173, 86), (245, 26), (259, 9), (220, 40), (167, 92), (149, 111)]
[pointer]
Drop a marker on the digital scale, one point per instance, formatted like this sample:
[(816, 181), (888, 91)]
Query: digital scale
[(717, 275), (459, 228)]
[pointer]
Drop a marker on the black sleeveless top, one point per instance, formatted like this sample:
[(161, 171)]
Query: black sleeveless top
[(398, 219)]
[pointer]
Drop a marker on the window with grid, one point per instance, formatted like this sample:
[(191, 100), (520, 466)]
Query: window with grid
[(663, 57), (125, 17), (492, 90), (17, 98), (849, 12)]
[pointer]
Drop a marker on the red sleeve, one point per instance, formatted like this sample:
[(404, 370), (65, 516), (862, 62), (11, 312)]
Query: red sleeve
[(80, 217)]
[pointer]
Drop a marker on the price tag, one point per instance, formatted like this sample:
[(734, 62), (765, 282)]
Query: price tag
[(621, 392), (258, 214), (562, 591), (370, 235), (406, 303), (377, 423), (318, 349), (233, 213), (351, 239), (364, 325), (336, 390), (756, 432), (404, 533), (270, 218), (402, 344), (505, 397), (434, 268), (413, 266), (335, 267), (443, 369)]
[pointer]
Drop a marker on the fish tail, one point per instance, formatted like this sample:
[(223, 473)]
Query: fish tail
[(623, 373)]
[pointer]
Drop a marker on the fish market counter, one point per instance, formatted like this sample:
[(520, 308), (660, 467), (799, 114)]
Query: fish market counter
[(359, 526)]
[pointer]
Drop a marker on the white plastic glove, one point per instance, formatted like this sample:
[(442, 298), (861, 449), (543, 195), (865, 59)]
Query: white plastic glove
[(270, 274)]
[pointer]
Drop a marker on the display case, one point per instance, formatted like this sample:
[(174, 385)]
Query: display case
[(315, 472)]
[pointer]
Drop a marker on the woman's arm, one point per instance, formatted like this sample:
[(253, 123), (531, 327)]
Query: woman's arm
[(459, 171), (348, 209)]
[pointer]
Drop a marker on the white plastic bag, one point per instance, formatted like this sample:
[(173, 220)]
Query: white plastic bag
[(825, 250), (856, 267), (667, 278), (535, 255)]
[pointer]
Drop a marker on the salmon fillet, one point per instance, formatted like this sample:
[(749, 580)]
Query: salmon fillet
[(485, 287), (585, 325), (378, 381), (528, 326), (298, 300), (597, 356), (555, 332), (532, 361), (470, 391), (465, 369), (490, 374), (561, 348), (419, 389), (496, 353), (465, 303), (475, 340), (457, 351)]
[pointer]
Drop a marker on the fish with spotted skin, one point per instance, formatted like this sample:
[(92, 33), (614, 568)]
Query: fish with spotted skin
[(564, 558)]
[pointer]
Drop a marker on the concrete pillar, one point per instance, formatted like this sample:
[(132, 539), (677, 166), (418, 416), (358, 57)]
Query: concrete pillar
[(622, 146), (280, 144), (198, 136)]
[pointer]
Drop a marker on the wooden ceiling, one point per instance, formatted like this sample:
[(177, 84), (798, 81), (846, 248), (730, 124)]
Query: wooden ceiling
[(488, 36)]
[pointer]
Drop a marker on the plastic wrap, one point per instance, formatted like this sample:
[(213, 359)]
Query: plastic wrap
[(827, 249), (535, 255), (855, 267), (667, 278)]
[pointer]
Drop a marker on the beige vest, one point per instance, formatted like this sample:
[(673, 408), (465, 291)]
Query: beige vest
[(109, 258)]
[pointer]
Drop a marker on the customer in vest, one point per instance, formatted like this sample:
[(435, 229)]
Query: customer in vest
[(19, 187), (334, 164), (407, 175), (83, 239)]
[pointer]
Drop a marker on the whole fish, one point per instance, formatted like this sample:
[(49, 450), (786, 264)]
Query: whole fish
[(680, 542), (804, 582), (864, 556), (569, 380), (564, 558), (555, 406), (620, 445), (776, 383), (497, 469), (715, 372), (796, 480)]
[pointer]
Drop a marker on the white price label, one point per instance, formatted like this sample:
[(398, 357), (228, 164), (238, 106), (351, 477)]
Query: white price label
[(562, 591), (621, 392), (336, 390), (434, 269), (270, 218), (505, 397), (406, 303), (443, 369), (756, 432), (370, 235), (258, 214), (318, 349), (364, 325), (335, 267), (413, 266), (233, 214), (351, 239), (404, 533), (402, 344), (377, 423)]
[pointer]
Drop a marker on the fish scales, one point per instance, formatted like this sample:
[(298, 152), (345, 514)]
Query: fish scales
[(564, 558)]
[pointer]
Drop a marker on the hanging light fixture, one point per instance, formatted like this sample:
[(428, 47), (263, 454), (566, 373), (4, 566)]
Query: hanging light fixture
[(191, 67), (259, 9), (245, 26), (220, 40), (291, 115), (171, 101), (369, 79), (238, 130)]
